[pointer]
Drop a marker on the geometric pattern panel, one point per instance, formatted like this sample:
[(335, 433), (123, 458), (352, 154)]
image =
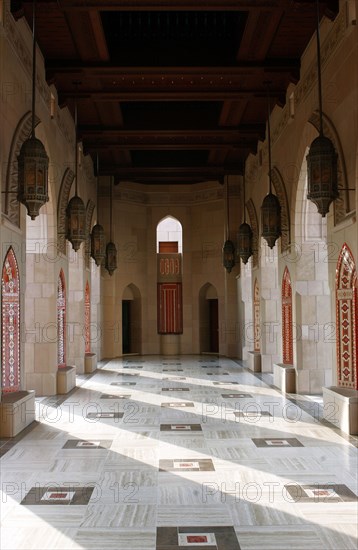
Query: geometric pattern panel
[(346, 319), (55, 495), (10, 318), (318, 492), (257, 330), (287, 333), (209, 537), (170, 319), (61, 320), (87, 318)]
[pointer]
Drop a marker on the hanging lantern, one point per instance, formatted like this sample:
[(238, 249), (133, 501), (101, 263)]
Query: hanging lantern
[(98, 245), (76, 222), (271, 219), (111, 258), (322, 178), (322, 174), (32, 174), (244, 242), (270, 208), (244, 235), (33, 159), (228, 255)]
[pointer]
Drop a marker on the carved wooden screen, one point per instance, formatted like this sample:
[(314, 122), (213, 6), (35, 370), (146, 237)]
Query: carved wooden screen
[(87, 318), (10, 306), (287, 334), (170, 318), (61, 320), (346, 316)]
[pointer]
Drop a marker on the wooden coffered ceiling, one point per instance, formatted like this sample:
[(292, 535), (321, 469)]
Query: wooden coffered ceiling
[(173, 91)]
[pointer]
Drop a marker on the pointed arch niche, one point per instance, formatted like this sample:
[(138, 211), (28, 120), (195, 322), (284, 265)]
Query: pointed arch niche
[(169, 232), (10, 315), (208, 319), (309, 260)]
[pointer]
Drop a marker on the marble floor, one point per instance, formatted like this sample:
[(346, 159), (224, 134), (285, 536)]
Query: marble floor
[(164, 453)]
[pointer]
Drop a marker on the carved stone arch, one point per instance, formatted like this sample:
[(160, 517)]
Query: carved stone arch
[(280, 190), (21, 134), (89, 216), (255, 231), (341, 204), (63, 197)]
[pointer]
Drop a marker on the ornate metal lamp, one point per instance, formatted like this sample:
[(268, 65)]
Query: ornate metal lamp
[(228, 248), (33, 160), (111, 250), (76, 211), (270, 208), (244, 235), (322, 158), (98, 246)]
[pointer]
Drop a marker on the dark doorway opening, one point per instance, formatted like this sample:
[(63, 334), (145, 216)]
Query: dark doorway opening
[(126, 326), (214, 325)]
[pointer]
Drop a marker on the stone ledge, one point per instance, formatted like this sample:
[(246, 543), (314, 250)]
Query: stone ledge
[(254, 361), (284, 377), (340, 407), (66, 379), (17, 411), (90, 362)]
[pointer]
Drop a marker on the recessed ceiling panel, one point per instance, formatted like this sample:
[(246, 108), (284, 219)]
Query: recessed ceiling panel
[(169, 158), (173, 38), (171, 114)]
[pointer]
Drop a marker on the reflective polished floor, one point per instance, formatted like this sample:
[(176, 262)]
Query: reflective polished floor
[(164, 453)]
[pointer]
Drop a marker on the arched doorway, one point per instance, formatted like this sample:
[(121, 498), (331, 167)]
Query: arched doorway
[(131, 320), (10, 314), (61, 320), (208, 319), (347, 319)]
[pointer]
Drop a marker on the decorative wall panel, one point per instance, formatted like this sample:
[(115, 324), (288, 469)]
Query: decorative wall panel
[(346, 315), (257, 319), (61, 321), (287, 332), (10, 306)]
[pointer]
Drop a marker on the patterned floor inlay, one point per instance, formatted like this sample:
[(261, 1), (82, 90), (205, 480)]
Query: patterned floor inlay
[(114, 415), (287, 442), (87, 444), (186, 464), (113, 396), (180, 428), (217, 374), (70, 495), (320, 493), (256, 414), (210, 538), (175, 389), (179, 404), (234, 395), (227, 383)]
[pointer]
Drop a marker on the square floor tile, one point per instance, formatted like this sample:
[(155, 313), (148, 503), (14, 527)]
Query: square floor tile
[(51, 495), (277, 442), (252, 414), (175, 389), (174, 378), (180, 428), (132, 367), (217, 374), (177, 404), (225, 383), (320, 493), (208, 537), (110, 415), (186, 464), (234, 395), (87, 444), (111, 396)]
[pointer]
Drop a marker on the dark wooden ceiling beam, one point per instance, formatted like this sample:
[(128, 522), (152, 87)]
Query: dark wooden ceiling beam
[(227, 135), (260, 29), (148, 172)]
